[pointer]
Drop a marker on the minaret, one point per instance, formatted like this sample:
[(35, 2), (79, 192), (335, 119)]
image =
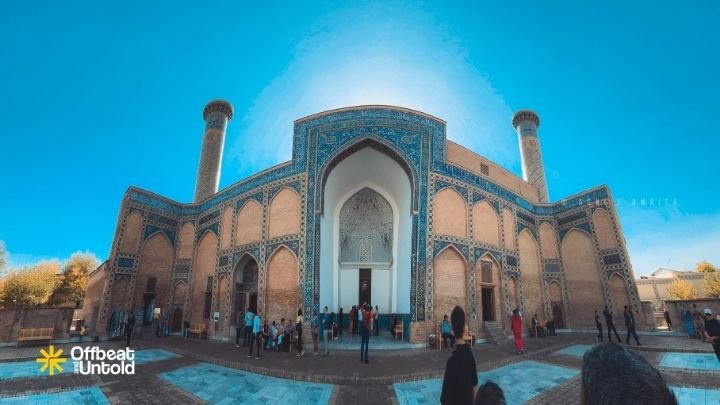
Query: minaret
[(526, 124), (216, 115)]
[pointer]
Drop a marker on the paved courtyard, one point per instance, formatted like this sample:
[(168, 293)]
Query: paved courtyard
[(176, 370)]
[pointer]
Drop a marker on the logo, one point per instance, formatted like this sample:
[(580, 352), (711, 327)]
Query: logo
[(51, 360), (94, 360)]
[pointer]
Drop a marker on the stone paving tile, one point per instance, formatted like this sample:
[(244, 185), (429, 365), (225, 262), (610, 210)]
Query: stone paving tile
[(574, 350), (692, 361), (519, 381), (87, 396), (223, 385), (363, 394), (360, 383), (696, 396)]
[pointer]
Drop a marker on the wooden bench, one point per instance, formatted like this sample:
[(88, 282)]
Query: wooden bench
[(399, 330), (468, 337), (35, 334), (199, 329)]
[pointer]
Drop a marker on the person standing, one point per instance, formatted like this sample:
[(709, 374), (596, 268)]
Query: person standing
[(610, 325), (667, 318), (315, 335), (366, 313), (256, 337), (239, 327), (326, 331), (249, 319), (698, 323), (298, 330), (340, 321), (376, 320), (460, 377), (351, 320), (711, 331), (598, 325), (446, 333), (517, 331), (129, 326), (688, 322), (630, 325)]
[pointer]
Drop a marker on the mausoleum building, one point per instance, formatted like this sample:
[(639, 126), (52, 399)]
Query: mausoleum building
[(376, 205)]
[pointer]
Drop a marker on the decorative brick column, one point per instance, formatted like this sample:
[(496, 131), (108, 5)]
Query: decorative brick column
[(526, 124), (216, 115)]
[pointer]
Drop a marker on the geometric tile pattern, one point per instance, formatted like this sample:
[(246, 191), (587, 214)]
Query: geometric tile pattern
[(222, 385), (520, 382), (696, 361), (27, 369), (151, 355), (89, 396), (574, 350), (31, 368), (696, 396), (417, 142)]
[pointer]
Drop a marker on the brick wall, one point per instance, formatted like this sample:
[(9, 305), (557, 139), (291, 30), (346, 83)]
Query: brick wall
[(284, 214), (449, 283), (530, 273), (450, 214), (248, 224), (282, 286), (486, 224), (582, 274), (155, 261), (12, 320)]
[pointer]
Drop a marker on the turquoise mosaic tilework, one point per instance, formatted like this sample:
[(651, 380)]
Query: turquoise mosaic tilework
[(696, 396), (151, 355), (574, 350), (31, 369), (27, 369), (87, 396), (223, 385), (697, 361), (520, 382)]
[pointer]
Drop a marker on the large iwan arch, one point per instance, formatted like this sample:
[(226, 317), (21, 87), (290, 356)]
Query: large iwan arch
[(387, 282)]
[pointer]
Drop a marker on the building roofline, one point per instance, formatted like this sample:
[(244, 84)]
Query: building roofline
[(368, 107)]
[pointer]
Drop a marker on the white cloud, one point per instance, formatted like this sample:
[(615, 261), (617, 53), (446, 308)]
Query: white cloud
[(369, 55), (666, 237)]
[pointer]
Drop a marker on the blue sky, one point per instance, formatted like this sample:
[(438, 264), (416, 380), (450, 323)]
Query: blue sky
[(95, 98)]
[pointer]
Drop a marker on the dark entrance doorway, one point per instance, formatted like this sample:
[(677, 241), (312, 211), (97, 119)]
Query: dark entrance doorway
[(246, 290), (488, 307), (177, 320), (148, 308), (558, 315), (364, 286), (253, 303)]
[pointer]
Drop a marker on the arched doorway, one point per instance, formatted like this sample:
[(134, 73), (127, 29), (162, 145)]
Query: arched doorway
[(487, 288), (369, 259), (177, 320), (556, 304), (245, 286), (178, 303)]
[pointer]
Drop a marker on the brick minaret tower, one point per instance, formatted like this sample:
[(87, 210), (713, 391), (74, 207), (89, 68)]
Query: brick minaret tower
[(216, 115), (526, 124)]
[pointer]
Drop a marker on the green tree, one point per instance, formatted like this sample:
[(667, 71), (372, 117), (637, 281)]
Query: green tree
[(705, 267), (681, 290), (712, 285), (29, 286), (70, 286)]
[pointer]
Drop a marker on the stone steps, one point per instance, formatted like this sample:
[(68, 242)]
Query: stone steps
[(494, 333)]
